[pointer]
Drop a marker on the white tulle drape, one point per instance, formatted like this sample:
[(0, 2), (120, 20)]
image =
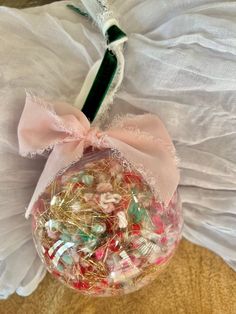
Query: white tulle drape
[(180, 64)]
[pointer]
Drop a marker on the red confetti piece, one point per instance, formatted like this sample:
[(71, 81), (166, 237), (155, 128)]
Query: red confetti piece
[(136, 229), (120, 234), (160, 260), (131, 177), (117, 286), (99, 253), (82, 270), (164, 240), (157, 221), (160, 230), (159, 224), (47, 255), (114, 245), (105, 282), (81, 285)]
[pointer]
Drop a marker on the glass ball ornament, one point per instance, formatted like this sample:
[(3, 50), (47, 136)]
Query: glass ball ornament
[(99, 229)]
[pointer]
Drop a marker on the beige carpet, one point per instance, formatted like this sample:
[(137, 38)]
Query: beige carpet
[(196, 281)]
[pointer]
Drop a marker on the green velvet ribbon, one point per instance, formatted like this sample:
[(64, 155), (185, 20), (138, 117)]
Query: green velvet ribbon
[(114, 33), (100, 85), (77, 10), (105, 74)]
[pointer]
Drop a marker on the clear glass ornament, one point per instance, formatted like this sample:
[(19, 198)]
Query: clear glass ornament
[(99, 229)]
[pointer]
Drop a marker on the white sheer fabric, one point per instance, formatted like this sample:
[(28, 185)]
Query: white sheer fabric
[(180, 64)]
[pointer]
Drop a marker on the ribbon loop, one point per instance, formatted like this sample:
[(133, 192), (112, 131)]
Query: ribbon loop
[(43, 125)]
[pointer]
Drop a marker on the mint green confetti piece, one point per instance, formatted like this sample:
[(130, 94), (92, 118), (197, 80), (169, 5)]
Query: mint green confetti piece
[(67, 259), (85, 237), (60, 268), (98, 228), (133, 208), (87, 179), (74, 179), (137, 213), (65, 237)]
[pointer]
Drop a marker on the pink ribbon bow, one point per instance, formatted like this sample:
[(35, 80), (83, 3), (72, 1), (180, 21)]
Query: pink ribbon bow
[(64, 130)]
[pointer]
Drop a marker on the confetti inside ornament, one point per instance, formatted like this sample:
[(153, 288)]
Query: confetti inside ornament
[(104, 238)]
